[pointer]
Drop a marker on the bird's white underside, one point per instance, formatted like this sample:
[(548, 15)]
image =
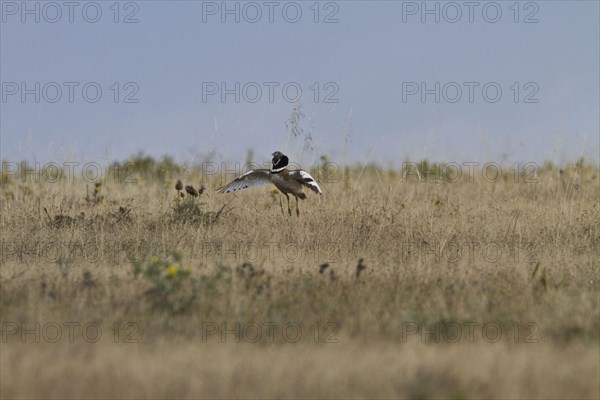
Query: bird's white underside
[(249, 180)]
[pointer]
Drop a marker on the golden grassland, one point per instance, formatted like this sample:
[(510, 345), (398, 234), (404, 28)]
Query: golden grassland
[(473, 288)]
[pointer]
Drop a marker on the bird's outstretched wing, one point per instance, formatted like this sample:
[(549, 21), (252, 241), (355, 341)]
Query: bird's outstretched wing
[(257, 177), (307, 180)]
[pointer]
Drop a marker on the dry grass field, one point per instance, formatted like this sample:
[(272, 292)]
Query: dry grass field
[(473, 287)]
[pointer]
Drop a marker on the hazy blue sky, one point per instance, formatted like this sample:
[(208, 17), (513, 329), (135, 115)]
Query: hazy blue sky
[(372, 57)]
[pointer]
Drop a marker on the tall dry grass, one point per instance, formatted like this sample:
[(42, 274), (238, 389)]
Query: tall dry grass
[(471, 288)]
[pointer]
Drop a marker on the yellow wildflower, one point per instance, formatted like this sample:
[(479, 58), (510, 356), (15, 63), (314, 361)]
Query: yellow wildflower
[(172, 270)]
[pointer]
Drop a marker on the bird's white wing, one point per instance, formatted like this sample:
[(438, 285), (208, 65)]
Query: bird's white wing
[(309, 182), (257, 177)]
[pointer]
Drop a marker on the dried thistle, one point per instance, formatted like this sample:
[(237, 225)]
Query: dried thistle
[(191, 191), (241, 269), (178, 185), (359, 268)]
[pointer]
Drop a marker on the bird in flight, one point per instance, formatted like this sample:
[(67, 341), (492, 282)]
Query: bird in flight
[(287, 181)]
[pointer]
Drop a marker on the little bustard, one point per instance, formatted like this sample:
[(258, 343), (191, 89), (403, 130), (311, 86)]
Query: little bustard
[(287, 181)]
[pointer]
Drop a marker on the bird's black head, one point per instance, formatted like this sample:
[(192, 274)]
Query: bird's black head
[(280, 161)]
